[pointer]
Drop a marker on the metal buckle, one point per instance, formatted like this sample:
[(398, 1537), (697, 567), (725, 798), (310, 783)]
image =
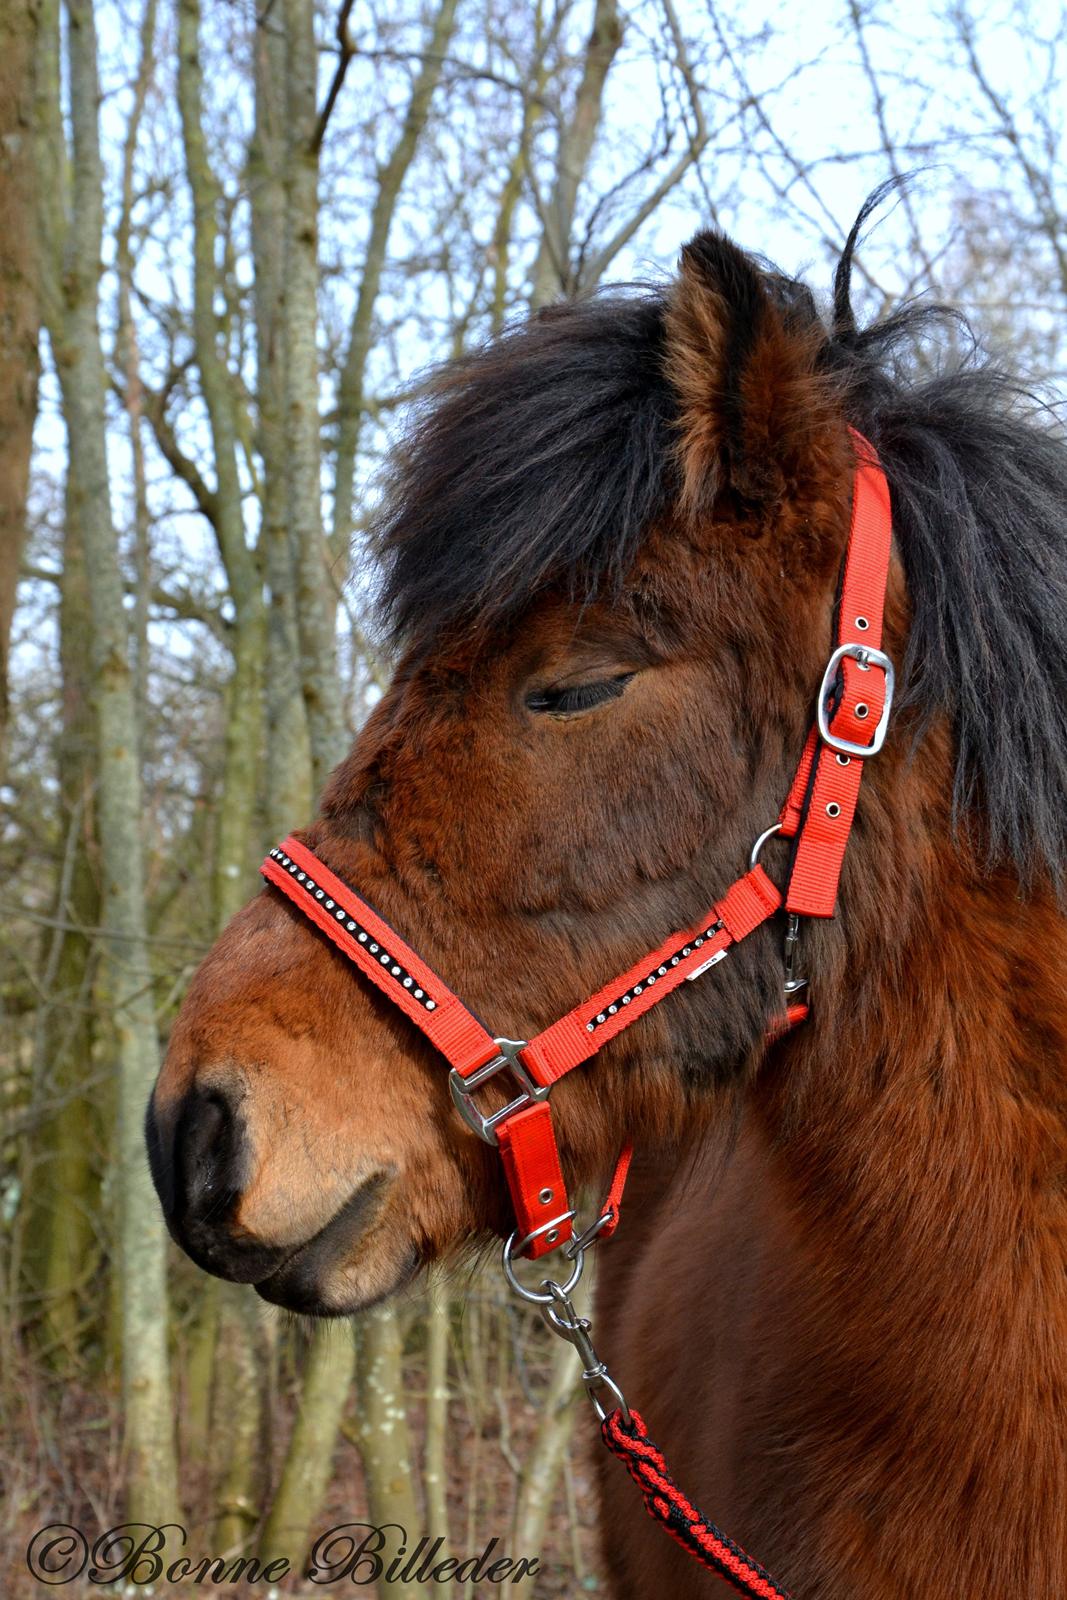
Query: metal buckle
[(866, 657), (462, 1088)]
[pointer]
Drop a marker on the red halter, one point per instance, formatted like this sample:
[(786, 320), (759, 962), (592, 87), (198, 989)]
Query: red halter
[(851, 714)]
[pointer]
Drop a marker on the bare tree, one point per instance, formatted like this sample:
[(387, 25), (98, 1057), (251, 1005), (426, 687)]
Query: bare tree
[(71, 231), (318, 657), (552, 268), (19, 312)]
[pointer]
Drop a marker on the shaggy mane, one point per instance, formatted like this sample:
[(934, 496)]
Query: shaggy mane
[(545, 455)]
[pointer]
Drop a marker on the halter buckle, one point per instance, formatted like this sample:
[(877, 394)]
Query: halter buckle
[(867, 657), (509, 1059)]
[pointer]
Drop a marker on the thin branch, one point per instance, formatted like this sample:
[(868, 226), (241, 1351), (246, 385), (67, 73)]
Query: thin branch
[(183, 466), (888, 145), (697, 144), (12, 909), (183, 603), (346, 50)]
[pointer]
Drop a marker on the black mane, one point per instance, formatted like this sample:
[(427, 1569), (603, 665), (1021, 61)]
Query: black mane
[(544, 456)]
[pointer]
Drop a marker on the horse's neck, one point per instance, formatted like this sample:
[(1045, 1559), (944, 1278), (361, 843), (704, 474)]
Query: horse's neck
[(848, 1324), (917, 1142)]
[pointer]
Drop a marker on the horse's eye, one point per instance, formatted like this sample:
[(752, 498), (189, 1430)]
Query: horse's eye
[(565, 701)]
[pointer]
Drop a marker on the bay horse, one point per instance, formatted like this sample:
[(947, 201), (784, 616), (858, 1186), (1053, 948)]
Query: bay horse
[(610, 546)]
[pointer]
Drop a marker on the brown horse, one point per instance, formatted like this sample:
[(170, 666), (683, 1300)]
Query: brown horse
[(610, 548)]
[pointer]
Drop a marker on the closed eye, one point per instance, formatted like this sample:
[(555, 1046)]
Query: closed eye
[(566, 700)]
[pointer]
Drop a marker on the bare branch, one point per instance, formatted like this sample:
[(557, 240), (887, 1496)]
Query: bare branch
[(698, 141), (345, 53)]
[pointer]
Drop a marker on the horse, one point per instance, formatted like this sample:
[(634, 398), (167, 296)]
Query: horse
[(609, 548)]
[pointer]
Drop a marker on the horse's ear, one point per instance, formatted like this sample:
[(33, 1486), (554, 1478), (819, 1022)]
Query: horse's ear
[(742, 361)]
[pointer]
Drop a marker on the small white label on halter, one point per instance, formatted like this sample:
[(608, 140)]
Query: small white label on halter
[(720, 955)]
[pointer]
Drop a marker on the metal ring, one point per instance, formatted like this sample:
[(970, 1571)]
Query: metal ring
[(768, 833), (534, 1296), (546, 1227)]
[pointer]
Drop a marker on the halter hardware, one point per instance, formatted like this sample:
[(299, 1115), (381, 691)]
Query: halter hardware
[(608, 1218), (562, 1318), (790, 945), (757, 848), (554, 1302), (509, 1060), (817, 816), (865, 658), (545, 1295)]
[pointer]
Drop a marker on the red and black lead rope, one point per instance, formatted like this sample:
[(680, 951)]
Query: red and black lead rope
[(688, 1526)]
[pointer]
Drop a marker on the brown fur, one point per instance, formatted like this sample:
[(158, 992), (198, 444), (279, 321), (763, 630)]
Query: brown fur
[(838, 1294)]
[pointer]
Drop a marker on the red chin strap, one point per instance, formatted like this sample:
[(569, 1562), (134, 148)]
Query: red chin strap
[(851, 713)]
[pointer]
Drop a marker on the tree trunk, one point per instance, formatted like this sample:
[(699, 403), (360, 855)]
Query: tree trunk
[(71, 279), (226, 1339), (128, 356), (385, 1445), (236, 845), (314, 606), (327, 1379), (289, 794), (199, 1369), (541, 1471), (67, 1187), (435, 1463), (237, 1414), (552, 269), (19, 312)]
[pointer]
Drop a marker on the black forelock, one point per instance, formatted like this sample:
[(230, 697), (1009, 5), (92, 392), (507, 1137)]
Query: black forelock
[(544, 458)]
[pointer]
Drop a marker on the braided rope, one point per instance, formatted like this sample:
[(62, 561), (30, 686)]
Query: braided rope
[(668, 1505)]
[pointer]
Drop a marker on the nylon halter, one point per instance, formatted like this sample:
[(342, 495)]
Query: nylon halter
[(851, 715)]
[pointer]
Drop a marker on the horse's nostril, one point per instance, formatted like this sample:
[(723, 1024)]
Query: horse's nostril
[(198, 1160), (206, 1157), (195, 1152)]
